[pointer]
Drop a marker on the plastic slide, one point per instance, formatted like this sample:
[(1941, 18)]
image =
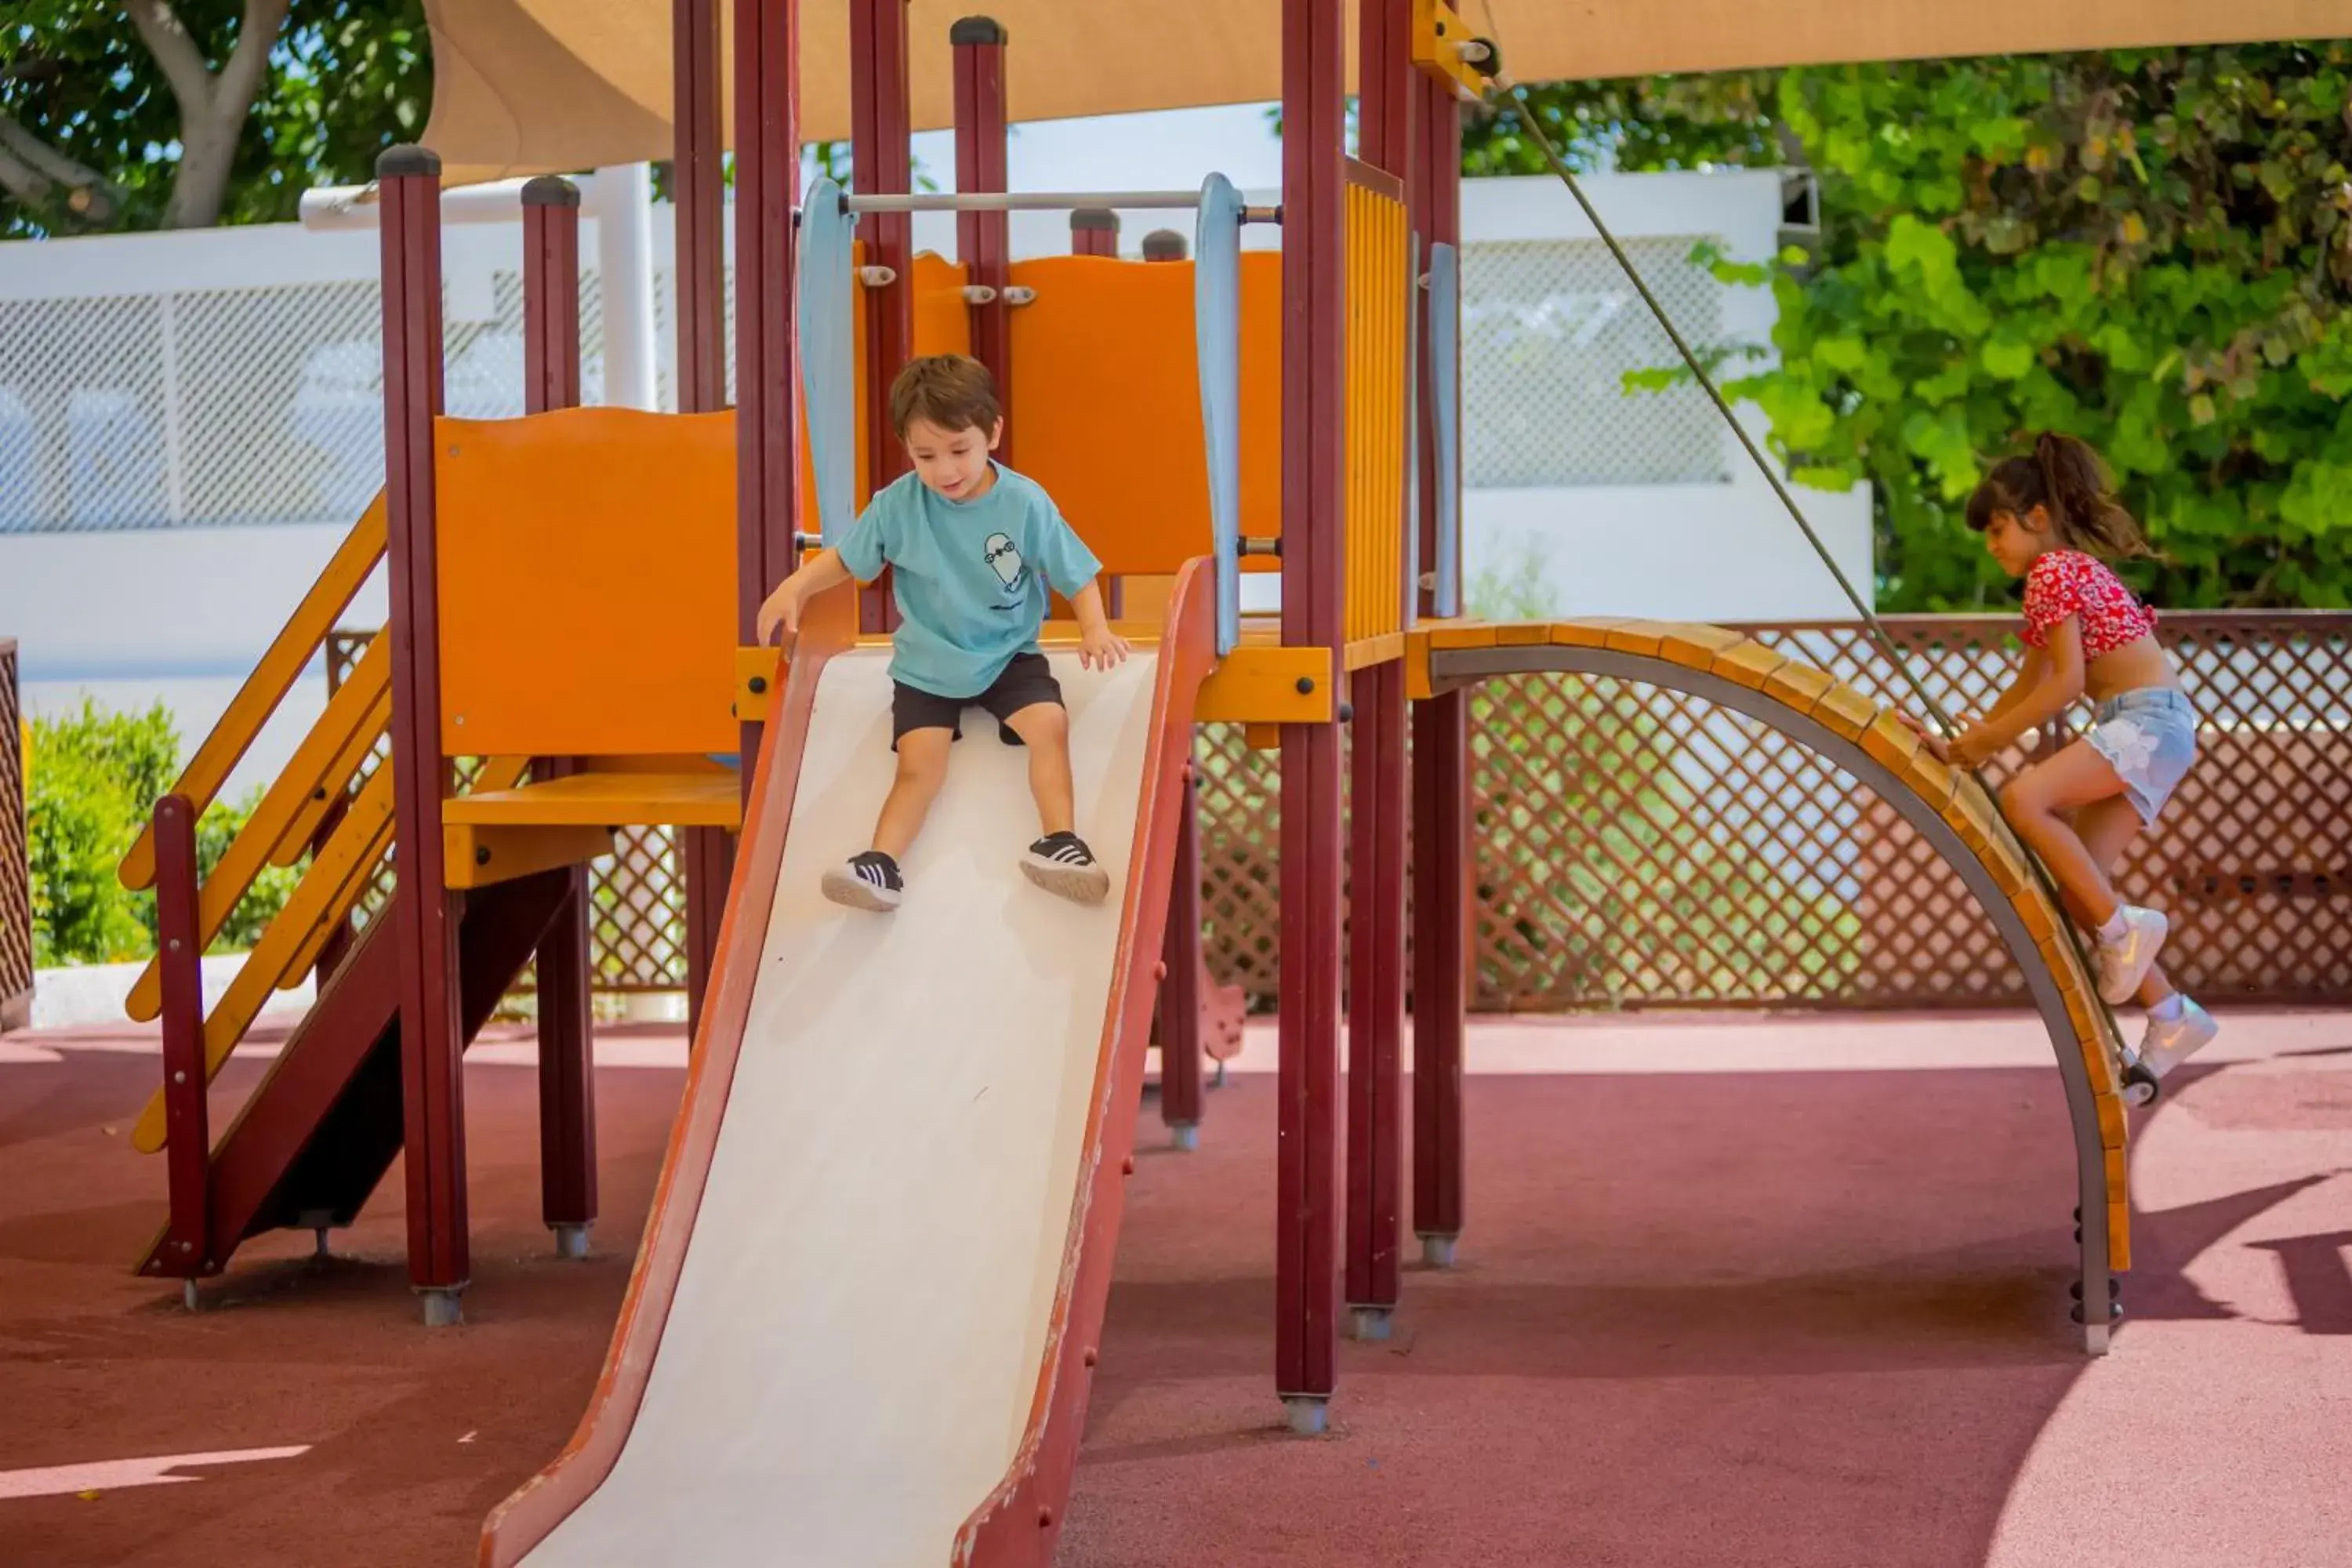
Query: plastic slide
[(863, 1314)]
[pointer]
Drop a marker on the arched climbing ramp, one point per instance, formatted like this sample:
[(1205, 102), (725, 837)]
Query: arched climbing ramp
[(1948, 807)]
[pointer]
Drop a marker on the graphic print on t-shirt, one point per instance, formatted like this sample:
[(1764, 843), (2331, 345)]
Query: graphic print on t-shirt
[(1004, 558)]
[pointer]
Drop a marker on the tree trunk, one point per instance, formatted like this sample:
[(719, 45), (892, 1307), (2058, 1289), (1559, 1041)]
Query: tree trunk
[(213, 105), (207, 152)]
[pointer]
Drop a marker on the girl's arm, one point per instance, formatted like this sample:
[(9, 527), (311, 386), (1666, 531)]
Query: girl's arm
[(824, 570), (2030, 674), (2035, 698)]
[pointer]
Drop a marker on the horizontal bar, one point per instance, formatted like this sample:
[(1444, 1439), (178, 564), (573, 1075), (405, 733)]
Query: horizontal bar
[(1042, 201)]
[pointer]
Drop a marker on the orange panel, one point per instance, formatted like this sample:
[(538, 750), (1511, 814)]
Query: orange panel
[(587, 582), (942, 319), (1105, 405)]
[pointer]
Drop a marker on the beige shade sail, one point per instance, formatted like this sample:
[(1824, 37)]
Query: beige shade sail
[(526, 87)]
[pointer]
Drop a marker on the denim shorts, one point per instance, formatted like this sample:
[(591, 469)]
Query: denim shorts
[(2150, 737)]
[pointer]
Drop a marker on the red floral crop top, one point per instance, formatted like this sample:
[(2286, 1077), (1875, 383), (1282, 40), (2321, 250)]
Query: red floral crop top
[(2066, 583)]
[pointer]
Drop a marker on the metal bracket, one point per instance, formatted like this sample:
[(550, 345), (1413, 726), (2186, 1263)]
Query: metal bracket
[(1445, 46), (979, 294), (877, 276), (1020, 294)]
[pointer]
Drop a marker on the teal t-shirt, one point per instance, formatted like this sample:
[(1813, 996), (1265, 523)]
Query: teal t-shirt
[(970, 576)]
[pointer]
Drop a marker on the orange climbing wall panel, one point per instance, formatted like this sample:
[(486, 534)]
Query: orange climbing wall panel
[(587, 583), (1105, 405)]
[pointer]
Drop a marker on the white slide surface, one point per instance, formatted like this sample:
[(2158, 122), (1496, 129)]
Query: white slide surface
[(856, 1335)]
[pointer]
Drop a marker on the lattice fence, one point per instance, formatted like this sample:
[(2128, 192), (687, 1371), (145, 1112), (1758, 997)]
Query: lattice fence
[(16, 862), (1637, 847), (637, 933), (219, 406)]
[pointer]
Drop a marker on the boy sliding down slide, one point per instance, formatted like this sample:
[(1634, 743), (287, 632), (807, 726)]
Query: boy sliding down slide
[(971, 547)]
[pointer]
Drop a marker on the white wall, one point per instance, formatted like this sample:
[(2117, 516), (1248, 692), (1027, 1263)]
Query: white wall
[(1711, 552), (179, 615)]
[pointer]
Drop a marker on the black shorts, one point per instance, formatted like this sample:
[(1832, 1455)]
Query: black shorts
[(1026, 681)]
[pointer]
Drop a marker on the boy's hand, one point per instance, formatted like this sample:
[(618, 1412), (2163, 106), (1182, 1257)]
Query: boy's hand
[(1099, 647), (780, 609)]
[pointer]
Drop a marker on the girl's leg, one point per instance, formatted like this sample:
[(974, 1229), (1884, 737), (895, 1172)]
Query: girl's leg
[(2106, 828), (2035, 802), (922, 769), (1045, 729)]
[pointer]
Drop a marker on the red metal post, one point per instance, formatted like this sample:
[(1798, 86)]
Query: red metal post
[(767, 184), (881, 162), (567, 1083), (423, 914), (984, 240), (1180, 987), (698, 190), (1314, 370), (697, 181), (187, 1249), (1093, 231), (1375, 1152), (1441, 772)]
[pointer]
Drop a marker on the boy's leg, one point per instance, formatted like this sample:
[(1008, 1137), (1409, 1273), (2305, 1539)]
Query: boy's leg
[(1059, 861), (922, 769), (1045, 729)]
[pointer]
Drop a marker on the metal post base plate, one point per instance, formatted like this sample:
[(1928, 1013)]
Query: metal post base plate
[(571, 1241), (1310, 1413), (1184, 1136), (1372, 1323), (442, 1309), (1438, 1251)]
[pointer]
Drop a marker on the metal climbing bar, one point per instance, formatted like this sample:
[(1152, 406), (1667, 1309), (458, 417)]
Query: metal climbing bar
[(1036, 201), (1446, 416)]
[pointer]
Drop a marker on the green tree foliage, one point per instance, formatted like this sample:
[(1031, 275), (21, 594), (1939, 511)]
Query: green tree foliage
[(145, 114), (2151, 250), (91, 785)]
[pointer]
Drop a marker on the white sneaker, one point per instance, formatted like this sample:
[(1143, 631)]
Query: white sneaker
[(2168, 1043), (2125, 962)]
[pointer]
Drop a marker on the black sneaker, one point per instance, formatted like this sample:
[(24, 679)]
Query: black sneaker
[(1061, 863), (869, 881)]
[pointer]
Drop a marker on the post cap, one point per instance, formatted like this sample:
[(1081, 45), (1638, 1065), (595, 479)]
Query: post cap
[(393, 163), (1082, 218), (971, 30), (1163, 244), (549, 191)]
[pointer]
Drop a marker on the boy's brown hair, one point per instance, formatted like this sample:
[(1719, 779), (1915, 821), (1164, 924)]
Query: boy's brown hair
[(953, 391)]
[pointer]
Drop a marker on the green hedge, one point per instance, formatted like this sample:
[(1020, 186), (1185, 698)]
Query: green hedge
[(92, 781)]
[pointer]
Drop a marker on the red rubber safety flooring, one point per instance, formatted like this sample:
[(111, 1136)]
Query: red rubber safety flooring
[(1715, 1309)]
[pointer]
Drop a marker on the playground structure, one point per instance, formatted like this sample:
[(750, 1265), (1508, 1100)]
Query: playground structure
[(1301, 408)]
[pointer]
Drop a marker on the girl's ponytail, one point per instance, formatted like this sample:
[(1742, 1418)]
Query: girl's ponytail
[(2066, 479)]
